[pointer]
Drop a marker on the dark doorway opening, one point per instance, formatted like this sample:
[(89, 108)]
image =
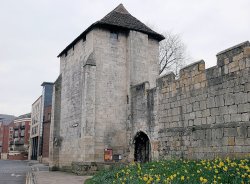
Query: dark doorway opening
[(34, 150), (142, 147)]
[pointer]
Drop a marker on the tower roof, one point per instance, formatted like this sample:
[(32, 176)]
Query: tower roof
[(119, 18)]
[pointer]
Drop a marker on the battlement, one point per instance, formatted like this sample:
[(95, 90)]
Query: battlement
[(230, 53), (195, 76)]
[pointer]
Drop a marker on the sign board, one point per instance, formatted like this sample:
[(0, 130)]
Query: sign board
[(108, 154), (117, 157)]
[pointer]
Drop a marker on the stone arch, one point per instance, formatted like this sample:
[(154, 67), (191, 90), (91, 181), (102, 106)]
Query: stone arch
[(142, 147)]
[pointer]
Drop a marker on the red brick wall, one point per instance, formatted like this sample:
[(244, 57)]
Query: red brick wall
[(46, 133), (5, 147), (18, 157), (27, 132)]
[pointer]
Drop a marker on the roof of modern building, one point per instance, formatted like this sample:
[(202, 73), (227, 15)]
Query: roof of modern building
[(47, 83), (28, 115), (6, 119), (119, 18)]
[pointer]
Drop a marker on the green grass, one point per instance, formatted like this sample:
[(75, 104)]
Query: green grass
[(178, 171)]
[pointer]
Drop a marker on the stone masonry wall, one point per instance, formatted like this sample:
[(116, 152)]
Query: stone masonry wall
[(205, 113), (94, 109)]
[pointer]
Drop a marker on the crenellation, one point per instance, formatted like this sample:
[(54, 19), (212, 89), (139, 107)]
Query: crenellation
[(216, 111)]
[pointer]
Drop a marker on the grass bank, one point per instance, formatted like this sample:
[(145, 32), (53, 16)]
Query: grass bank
[(178, 171)]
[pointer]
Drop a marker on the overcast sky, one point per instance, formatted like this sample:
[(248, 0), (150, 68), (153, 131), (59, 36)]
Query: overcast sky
[(32, 33)]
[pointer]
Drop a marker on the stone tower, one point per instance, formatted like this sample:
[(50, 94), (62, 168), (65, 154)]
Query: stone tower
[(91, 108)]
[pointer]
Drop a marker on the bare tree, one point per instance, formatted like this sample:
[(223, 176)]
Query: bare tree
[(172, 53)]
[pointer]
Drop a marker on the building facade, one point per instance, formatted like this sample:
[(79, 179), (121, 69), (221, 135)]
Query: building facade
[(5, 122), (35, 124), (4, 134), (109, 103), (40, 128), (19, 134), (92, 99)]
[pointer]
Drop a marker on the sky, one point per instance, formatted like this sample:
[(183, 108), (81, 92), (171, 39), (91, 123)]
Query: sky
[(33, 33)]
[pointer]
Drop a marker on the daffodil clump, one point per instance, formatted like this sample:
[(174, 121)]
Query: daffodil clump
[(216, 171)]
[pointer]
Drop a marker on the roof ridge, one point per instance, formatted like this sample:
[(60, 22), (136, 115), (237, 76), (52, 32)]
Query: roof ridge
[(121, 9), (118, 18)]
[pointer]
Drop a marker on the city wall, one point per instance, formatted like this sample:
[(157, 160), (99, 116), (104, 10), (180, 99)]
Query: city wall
[(202, 114)]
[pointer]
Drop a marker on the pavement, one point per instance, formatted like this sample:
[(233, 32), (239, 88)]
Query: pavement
[(33, 172), (56, 177), (40, 174), (13, 171)]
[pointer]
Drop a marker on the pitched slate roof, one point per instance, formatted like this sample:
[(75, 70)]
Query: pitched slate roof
[(119, 18)]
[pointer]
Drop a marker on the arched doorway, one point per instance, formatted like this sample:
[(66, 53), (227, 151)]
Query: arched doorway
[(142, 147)]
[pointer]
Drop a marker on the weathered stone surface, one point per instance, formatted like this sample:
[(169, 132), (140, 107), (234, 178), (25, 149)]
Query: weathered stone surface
[(110, 93)]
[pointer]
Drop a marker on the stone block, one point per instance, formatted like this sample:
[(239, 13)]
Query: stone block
[(247, 141), (198, 114), (217, 133), (247, 87), (242, 131), (243, 108), (197, 121), (240, 98), (210, 119), (196, 106), (189, 108), (219, 119), (203, 104), (242, 64), (192, 115), (229, 99), (208, 134), (206, 113), (199, 134), (245, 117), (203, 121), (239, 141), (219, 101), (223, 110), (227, 118), (232, 109), (214, 111), (230, 132), (236, 117), (248, 62), (246, 52), (231, 141), (210, 102)]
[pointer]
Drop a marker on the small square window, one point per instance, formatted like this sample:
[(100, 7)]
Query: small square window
[(114, 35)]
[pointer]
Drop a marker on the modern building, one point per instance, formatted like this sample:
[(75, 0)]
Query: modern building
[(5, 121), (19, 134), (34, 128), (40, 128)]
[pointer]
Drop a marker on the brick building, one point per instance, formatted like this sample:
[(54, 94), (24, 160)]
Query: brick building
[(5, 121), (3, 139), (19, 133)]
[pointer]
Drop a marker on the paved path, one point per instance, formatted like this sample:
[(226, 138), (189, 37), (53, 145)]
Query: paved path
[(13, 172), (46, 177)]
